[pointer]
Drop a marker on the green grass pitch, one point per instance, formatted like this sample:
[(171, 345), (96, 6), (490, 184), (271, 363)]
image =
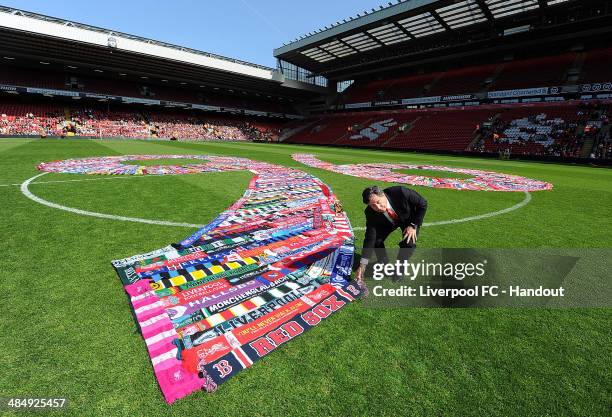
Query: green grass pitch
[(67, 329)]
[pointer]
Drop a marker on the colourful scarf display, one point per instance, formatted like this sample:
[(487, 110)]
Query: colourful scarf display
[(482, 181), (269, 268)]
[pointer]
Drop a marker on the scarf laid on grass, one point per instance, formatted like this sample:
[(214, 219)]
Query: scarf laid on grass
[(222, 357), (264, 271), (481, 181)]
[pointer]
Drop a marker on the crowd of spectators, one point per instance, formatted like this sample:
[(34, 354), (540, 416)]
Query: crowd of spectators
[(597, 127), (208, 128), (563, 134), (45, 123), (199, 128), (92, 122), (603, 149), (536, 134)]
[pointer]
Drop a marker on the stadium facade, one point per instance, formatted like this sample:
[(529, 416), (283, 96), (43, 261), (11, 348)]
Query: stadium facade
[(526, 77)]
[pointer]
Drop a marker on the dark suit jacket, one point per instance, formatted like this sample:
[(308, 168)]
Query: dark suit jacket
[(410, 207)]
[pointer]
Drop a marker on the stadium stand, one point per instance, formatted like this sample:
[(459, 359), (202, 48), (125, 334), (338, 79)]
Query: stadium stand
[(596, 66), (526, 73), (25, 77), (28, 77), (460, 81), (438, 76), (377, 130), (18, 119), (450, 130), (565, 131), (538, 72), (366, 92), (444, 129), (577, 128), (409, 86), (328, 130), (30, 119), (568, 129), (534, 131)]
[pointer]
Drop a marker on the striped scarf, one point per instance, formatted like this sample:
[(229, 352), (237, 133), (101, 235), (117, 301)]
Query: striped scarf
[(239, 287)]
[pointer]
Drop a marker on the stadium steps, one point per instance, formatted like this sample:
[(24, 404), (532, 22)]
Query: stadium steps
[(393, 136), (493, 77), (397, 132), (389, 88), (474, 141), (67, 114), (346, 134), (479, 136), (292, 132), (576, 66), (589, 144), (587, 147), (432, 84)]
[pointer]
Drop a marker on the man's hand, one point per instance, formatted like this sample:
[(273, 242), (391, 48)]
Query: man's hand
[(359, 279), (359, 273), (410, 234)]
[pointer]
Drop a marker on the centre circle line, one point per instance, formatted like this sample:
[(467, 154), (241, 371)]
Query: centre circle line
[(26, 192), (86, 179), (517, 206)]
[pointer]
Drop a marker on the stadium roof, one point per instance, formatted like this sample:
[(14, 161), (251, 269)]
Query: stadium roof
[(418, 25), (30, 35)]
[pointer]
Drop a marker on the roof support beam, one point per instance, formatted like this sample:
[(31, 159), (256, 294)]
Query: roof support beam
[(347, 45), (403, 29), (486, 11), (327, 52), (373, 38), (440, 20)]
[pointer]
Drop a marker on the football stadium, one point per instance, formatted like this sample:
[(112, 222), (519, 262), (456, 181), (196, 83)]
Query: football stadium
[(173, 218)]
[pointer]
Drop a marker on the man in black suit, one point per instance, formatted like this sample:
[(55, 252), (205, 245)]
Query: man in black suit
[(387, 210)]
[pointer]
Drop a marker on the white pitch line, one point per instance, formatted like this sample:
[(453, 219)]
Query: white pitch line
[(88, 179), (517, 206), (26, 192)]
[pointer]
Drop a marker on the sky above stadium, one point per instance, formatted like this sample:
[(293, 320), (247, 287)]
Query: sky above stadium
[(241, 29)]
